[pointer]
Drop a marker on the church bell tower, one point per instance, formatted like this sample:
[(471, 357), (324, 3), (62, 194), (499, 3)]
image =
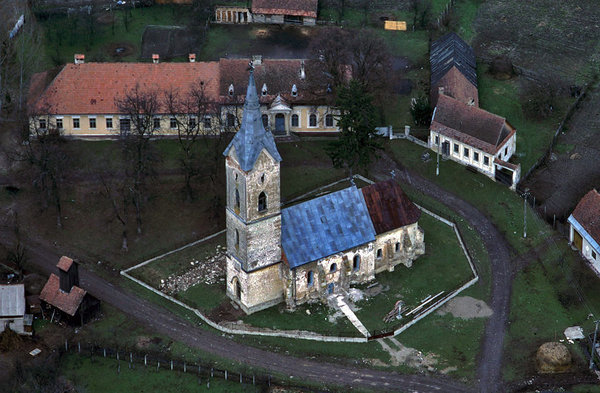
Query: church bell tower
[(254, 276)]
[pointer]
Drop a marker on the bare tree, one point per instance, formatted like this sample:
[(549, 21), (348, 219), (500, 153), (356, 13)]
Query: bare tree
[(330, 47), (44, 154), (190, 110), (421, 13), (371, 62), (139, 157), (115, 189)]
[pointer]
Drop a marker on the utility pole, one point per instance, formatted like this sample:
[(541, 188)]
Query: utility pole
[(594, 345), (439, 143)]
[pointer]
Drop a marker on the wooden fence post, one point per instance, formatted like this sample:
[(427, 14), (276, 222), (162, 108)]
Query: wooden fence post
[(171, 365), (145, 360), (226, 375), (78, 347)]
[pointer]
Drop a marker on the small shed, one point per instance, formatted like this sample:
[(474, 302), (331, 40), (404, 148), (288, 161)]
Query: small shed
[(63, 299), (12, 308)]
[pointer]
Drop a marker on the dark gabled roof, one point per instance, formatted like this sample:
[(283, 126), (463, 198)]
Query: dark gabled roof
[(389, 206), (324, 226), (587, 213), (471, 125), (451, 51), (252, 137)]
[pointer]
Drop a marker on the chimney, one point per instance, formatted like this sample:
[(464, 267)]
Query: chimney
[(257, 60), (68, 274), (192, 57), (302, 73), (440, 90), (79, 58), (155, 58)]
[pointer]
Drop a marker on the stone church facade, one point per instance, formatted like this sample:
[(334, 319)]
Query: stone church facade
[(311, 250)]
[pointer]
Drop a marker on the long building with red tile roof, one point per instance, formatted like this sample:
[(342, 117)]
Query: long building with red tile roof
[(82, 98)]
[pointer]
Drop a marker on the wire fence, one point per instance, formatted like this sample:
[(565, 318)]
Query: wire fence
[(159, 361)]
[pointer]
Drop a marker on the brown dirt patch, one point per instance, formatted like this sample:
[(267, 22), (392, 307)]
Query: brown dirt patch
[(120, 49), (225, 312), (466, 307)]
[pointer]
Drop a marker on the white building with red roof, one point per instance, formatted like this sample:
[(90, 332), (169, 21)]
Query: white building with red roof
[(584, 228)]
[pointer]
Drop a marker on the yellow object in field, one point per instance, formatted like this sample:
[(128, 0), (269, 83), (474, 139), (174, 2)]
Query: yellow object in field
[(395, 25)]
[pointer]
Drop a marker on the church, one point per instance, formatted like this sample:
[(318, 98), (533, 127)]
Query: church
[(313, 249)]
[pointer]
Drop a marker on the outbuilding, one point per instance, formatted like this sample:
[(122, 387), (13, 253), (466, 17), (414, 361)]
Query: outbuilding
[(584, 228)]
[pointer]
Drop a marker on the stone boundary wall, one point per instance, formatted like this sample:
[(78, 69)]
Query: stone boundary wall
[(302, 334)]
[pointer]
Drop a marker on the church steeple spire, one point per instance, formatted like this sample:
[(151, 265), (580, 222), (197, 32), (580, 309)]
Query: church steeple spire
[(252, 137)]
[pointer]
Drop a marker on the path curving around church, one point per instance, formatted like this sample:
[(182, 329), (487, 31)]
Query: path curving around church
[(165, 322), (489, 371)]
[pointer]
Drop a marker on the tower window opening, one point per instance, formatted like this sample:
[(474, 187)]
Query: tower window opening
[(262, 202)]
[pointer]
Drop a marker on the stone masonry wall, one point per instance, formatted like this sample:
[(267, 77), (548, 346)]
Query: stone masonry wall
[(260, 289), (401, 245)]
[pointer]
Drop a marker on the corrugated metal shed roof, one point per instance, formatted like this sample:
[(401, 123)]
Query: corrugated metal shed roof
[(451, 51), (324, 226), (252, 137), (12, 300)]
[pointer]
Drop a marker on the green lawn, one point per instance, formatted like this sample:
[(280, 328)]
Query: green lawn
[(67, 35), (97, 374), (444, 267), (501, 97), (503, 206)]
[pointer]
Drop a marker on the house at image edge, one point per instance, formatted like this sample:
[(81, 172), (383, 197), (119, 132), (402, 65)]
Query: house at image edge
[(460, 130), (313, 249), (584, 228)]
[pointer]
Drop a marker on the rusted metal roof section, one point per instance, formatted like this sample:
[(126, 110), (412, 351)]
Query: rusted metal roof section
[(389, 207), (64, 263), (286, 7), (12, 300), (451, 51), (324, 226), (67, 302)]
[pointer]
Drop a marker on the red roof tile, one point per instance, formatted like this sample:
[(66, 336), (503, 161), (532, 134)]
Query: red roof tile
[(389, 207), (587, 213), (455, 85), (470, 125), (91, 88), (66, 302), (64, 263), (286, 7)]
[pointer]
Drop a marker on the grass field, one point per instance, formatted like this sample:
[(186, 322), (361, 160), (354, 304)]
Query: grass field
[(502, 205), (444, 267), (96, 374)]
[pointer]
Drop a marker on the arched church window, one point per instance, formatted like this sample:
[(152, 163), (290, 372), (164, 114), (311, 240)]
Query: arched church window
[(262, 202), (237, 240), (312, 120), (295, 121), (262, 178), (333, 267), (265, 120), (310, 278), (356, 262), (329, 120), (230, 120), (237, 199)]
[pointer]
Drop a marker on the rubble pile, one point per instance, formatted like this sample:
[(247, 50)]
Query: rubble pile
[(209, 271)]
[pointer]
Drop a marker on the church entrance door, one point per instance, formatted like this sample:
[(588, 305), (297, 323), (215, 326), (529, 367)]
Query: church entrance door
[(238, 290), (279, 123), (330, 288)]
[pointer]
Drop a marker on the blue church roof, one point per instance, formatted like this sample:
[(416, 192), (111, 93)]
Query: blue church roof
[(324, 226), (252, 137)]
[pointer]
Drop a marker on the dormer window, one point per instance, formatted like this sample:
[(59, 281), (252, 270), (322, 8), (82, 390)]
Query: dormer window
[(294, 91), (230, 91), (264, 89)]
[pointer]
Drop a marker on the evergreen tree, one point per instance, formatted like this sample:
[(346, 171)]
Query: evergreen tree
[(356, 146)]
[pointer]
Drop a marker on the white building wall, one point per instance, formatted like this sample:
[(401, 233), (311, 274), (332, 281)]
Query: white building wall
[(587, 250), (15, 324)]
